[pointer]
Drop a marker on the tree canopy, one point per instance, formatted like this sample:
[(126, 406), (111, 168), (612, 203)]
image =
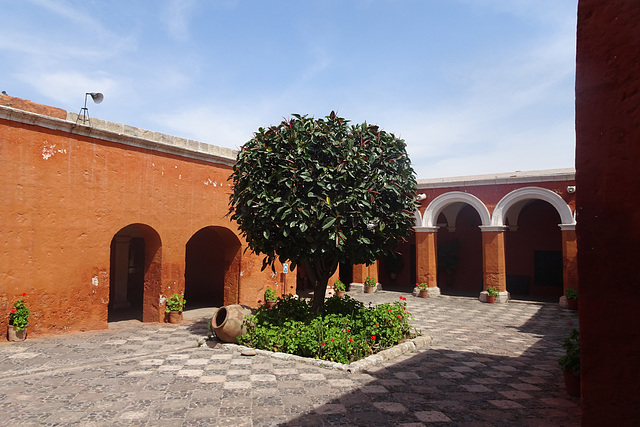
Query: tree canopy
[(318, 192)]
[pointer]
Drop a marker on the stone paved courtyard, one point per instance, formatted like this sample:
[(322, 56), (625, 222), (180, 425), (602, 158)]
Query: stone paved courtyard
[(486, 365)]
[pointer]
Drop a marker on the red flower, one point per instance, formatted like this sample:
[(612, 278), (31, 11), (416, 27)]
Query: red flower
[(376, 325), (399, 317), (373, 337), (13, 310), (416, 283), (350, 340), (331, 339), (389, 310), (570, 323), (324, 343), (259, 301), (24, 294), (348, 330)]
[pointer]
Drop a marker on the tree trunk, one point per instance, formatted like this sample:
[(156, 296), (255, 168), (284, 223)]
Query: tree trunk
[(319, 272)]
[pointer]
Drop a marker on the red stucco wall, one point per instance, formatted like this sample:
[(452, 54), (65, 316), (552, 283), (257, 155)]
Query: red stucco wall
[(608, 230), (65, 196)]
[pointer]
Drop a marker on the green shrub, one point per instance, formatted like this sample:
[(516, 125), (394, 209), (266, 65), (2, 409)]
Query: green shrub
[(344, 332)]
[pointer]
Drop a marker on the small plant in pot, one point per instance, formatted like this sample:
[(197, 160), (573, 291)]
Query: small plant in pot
[(369, 285), (18, 321), (424, 289), (174, 306), (340, 288), (570, 363), (572, 298), (270, 297), (492, 293)]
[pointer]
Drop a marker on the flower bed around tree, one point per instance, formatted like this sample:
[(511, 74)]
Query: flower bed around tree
[(344, 332)]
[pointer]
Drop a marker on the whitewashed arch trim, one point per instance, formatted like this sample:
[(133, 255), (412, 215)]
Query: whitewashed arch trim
[(532, 193), (430, 217)]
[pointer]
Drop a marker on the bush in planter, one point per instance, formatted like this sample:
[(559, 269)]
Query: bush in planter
[(175, 303), (270, 295), (343, 332), (493, 291), (339, 285), (571, 360), (19, 315), (422, 286), (571, 293), (370, 282)]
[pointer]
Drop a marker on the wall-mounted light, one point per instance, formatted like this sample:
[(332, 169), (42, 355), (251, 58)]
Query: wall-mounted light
[(571, 189), (421, 197), (84, 111)]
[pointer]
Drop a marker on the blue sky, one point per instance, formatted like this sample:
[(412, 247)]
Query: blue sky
[(473, 86)]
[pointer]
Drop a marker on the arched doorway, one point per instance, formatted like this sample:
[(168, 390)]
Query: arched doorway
[(533, 251), (459, 250), (212, 270), (134, 279)]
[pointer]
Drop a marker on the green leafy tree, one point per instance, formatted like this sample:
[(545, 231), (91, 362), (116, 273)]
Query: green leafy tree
[(317, 192)]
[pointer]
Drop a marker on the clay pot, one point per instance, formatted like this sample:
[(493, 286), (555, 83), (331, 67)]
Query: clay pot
[(175, 316), (369, 289), (15, 335), (227, 323), (571, 383), (491, 299), (340, 294), (424, 293), (572, 304)]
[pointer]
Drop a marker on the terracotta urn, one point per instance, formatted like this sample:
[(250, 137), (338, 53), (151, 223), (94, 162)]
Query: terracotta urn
[(14, 335), (228, 322), (424, 293)]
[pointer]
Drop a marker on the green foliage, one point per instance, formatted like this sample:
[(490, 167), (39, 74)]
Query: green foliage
[(318, 192), (571, 360), (19, 315), (370, 282), (270, 295), (345, 331), (422, 285), (492, 290), (339, 286), (571, 293), (175, 303)]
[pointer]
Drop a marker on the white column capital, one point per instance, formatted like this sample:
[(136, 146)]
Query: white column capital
[(425, 229)]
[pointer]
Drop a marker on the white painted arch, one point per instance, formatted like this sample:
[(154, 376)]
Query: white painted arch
[(516, 200), (437, 205)]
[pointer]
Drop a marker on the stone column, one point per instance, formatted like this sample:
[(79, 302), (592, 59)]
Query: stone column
[(360, 273), (569, 260), (493, 261), (426, 258)]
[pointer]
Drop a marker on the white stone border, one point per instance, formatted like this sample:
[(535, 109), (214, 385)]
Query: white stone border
[(368, 362)]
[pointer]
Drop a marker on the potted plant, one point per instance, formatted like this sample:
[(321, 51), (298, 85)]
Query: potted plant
[(270, 297), (340, 288), (424, 289), (174, 306), (369, 285), (18, 321), (492, 293), (570, 363), (572, 298)]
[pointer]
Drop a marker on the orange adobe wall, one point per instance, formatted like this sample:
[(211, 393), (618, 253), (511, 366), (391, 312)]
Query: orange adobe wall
[(67, 190), (608, 203)]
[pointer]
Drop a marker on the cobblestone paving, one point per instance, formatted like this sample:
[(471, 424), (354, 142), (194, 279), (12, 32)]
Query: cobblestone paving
[(487, 365)]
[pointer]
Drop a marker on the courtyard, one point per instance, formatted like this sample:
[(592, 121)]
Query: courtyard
[(487, 364)]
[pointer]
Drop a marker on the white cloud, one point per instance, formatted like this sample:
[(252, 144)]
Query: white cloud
[(176, 16)]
